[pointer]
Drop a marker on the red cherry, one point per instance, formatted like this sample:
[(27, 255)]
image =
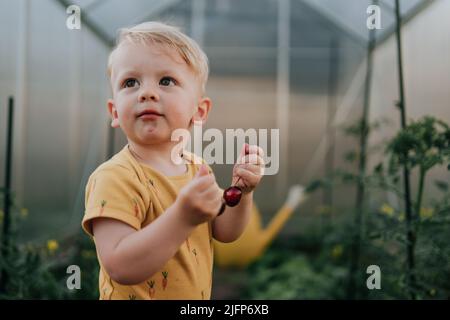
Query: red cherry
[(232, 196)]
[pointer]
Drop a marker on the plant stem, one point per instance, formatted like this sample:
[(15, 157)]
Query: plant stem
[(420, 191), (5, 243), (330, 129), (355, 252), (408, 219)]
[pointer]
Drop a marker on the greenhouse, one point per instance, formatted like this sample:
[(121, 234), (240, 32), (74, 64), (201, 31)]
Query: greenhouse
[(348, 99)]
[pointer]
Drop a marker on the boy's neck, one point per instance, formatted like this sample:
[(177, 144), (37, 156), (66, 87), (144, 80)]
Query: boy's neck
[(158, 157)]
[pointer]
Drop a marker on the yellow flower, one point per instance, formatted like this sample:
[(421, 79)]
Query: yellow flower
[(387, 209), (337, 251), (52, 246), (426, 213), (24, 212), (401, 217), (433, 292)]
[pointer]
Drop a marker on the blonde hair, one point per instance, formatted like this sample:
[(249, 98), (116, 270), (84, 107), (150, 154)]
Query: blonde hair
[(167, 36)]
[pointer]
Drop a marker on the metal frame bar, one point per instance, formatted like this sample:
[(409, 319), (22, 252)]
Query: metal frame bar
[(7, 201), (283, 90), (411, 14), (94, 4), (339, 25), (21, 99), (198, 21), (407, 17)]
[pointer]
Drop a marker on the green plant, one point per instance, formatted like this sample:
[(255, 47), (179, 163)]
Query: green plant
[(388, 233), (421, 145), (287, 274), (38, 271)]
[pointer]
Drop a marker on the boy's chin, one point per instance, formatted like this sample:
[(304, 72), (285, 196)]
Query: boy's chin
[(151, 139)]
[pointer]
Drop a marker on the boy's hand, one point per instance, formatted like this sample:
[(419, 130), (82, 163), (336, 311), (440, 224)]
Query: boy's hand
[(249, 169), (200, 200)]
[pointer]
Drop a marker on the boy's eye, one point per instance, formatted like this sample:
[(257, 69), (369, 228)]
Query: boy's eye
[(130, 83), (167, 81)]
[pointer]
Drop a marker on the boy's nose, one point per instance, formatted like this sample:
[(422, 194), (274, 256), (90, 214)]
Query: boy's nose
[(148, 95)]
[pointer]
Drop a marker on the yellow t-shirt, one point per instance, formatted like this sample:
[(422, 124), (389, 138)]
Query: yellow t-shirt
[(135, 194)]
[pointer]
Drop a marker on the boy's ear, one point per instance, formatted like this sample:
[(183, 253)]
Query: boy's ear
[(113, 112), (203, 108)]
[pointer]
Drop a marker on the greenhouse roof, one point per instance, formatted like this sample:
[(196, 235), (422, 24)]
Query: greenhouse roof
[(105, 17)]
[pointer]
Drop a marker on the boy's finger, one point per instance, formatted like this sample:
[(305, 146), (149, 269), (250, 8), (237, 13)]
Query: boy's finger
[(254, 149), (203, 182), (202, 171), (252, 158), (211, 194), (245, 150), (248, 178), (250, 150), (253, 168)]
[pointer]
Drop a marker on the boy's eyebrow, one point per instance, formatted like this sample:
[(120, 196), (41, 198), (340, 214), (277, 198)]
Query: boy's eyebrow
[(130, 71), (126, 72), (162, 72), (171, 72), (116, 77)]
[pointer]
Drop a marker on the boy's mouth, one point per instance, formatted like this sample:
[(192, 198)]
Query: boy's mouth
[(148, 113)]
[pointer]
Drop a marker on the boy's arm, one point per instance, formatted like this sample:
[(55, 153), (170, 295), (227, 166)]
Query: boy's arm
[(247, 174), (229, 226), (130, 256)]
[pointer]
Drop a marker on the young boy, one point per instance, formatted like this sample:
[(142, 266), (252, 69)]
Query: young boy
[(153, 219)]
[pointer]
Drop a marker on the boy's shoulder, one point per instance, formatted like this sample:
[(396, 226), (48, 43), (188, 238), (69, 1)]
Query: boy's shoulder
[(118, 164)]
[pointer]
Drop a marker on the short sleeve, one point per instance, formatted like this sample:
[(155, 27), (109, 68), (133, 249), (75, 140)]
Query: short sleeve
[(116, 193)]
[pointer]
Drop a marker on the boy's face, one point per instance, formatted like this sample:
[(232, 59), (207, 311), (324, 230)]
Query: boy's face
[(157, 81)]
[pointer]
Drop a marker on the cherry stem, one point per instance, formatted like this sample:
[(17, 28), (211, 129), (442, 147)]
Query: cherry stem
[(239, 178), (222, 208)]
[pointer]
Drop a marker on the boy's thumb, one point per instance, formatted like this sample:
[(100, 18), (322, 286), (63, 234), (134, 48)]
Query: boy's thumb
[(202, 171)]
